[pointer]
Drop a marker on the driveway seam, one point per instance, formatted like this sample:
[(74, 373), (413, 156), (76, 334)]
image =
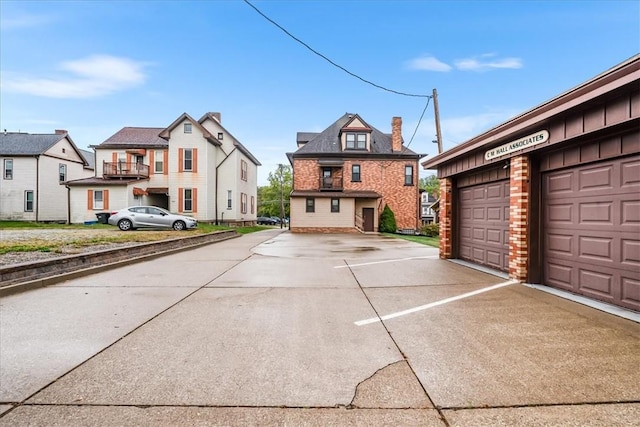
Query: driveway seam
[(440, 413)]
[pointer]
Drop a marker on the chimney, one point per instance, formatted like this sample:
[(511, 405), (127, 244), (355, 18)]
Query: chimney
[(61, 132), (218, 116), (396, 134)]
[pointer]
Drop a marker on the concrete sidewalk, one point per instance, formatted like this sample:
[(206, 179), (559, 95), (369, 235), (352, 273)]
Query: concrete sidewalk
[(267, 330)]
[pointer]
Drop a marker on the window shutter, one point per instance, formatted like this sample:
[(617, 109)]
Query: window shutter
[(114, 157), (194, 202), (165, 164), (180, 159), (180, 200), (89, 199), (105, 199), (194, 166), (152, 162)]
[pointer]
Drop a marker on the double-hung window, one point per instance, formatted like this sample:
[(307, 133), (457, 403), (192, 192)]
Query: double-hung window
[(243, 170), (28, 201), (98, 199), (62, 172), (243, 203), (335, 205), (8, 169), (187, 128), (355, 173), (229, 199), (311, 204), (158, 160), (188, 160), (188, 200), (408, 175)]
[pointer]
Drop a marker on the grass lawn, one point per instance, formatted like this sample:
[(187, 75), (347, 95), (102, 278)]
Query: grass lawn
[(423, 240), (107, 234)]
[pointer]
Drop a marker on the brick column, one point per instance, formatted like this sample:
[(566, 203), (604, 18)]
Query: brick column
[(446, 198), (519, 191)]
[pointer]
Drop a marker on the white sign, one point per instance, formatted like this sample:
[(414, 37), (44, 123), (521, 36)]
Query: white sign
[(520, 144)]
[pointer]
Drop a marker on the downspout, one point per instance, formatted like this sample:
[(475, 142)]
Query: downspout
[(217, 189), (68, 204), (37, 187)]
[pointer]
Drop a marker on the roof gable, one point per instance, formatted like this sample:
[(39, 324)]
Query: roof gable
[(25, 144), (166, 133), (215, 118)]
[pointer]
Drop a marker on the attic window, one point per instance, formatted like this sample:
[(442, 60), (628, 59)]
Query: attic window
[(64, 150), (187, 128), (356, 141), (220, 136)]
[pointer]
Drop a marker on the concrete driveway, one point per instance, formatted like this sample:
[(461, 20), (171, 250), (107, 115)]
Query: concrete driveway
[(275, 328)]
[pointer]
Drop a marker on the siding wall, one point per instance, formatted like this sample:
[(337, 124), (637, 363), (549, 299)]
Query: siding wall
[(12, 190), (322, 219)]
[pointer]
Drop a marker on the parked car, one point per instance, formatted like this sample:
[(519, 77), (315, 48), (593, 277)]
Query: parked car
[(276, 219), (265, 220), (150, 216)]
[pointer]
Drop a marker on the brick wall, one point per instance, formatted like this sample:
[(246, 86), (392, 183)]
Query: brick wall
[(519, 217), (446, 198), (386, 177)]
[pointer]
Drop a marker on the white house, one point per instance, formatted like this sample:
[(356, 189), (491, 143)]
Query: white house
[(34, 167), (192, 167)]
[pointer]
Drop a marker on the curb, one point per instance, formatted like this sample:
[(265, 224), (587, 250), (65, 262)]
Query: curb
[(39, 274)]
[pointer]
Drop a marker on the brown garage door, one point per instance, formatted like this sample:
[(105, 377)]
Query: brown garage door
[(591, 230), (484, 224)]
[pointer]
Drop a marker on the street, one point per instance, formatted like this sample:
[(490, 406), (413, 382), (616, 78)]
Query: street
[(275, 328)]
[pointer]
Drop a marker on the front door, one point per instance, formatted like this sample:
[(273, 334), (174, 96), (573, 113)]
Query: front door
[(367, 217)]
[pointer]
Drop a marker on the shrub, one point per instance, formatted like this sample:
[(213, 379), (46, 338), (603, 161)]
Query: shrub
[(430, 230), (387, 220)]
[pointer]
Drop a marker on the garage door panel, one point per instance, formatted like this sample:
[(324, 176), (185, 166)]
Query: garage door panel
[(631, 292), (591, 242), (630, 253), (596, 178), (484, 224), (630, 213)]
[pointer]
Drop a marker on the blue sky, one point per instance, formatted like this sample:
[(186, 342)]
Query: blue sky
[(93, 67)]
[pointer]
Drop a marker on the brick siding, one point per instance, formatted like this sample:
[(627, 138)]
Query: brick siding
[(519, 218), (446, 196)]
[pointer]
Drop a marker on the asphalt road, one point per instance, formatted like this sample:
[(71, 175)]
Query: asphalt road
[(276, 328)]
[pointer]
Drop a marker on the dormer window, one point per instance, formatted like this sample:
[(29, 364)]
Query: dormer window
[(356, 141)]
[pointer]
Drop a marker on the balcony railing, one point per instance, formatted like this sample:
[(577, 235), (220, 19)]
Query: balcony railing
[(124, 170), (330, 183)]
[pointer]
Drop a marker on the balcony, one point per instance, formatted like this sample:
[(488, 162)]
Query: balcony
[(330, 183), (124, 170)]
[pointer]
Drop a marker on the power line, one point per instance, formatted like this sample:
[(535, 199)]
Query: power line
[(419, 121), (330, 61)]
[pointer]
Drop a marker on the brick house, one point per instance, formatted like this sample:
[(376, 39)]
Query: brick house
[(345, 175), (193, 167)]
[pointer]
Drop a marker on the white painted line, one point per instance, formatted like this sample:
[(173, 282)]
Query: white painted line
[(388, 260), (434, 304)]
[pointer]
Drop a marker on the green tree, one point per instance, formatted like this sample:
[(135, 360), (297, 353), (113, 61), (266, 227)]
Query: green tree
[(273, 197), (387, 220), (431, 184)]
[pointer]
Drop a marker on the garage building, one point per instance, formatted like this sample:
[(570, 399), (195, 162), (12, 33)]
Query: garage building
[(552, 196)]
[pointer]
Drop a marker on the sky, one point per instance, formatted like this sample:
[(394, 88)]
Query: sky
[(94, 67)]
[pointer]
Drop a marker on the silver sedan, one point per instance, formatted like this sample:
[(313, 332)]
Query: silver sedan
[(150, 216)]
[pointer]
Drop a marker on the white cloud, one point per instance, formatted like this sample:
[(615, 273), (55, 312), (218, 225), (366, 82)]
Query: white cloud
[(428, 63), (487, 62), (23, 21), (90, 77)]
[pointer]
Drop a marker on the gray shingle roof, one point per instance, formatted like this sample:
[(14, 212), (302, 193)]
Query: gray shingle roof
[(328, 141), (136, 137), (90, 157), (25, 144)]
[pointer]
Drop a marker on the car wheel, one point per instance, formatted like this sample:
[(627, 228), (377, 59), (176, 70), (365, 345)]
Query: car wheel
[(125, 225), (179, 225)]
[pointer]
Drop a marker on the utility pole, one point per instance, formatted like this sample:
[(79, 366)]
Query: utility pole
[(437, 112)]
